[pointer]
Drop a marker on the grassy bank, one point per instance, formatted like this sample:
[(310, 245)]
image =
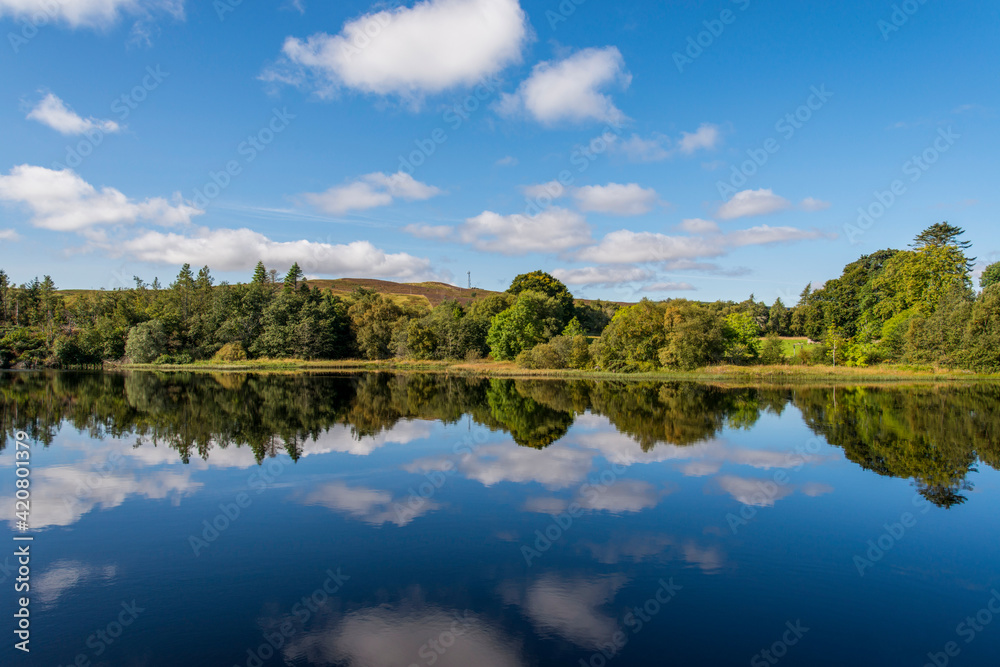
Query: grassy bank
[(724, 373)]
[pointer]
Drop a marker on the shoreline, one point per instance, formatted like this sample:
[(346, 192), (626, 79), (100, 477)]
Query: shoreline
[(507, 370)]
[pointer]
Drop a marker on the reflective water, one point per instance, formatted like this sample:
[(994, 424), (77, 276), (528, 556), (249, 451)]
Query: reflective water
[(201, 519)]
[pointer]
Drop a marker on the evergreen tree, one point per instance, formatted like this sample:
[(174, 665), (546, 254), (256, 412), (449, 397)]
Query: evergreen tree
[(293, 277), (260, 274)]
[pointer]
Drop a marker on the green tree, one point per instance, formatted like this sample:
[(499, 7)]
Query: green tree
[(632, 341), (574, 328), (779, 318), (146, 342), (293, 277), (533, 319), (543, 283), (742, 337), (695, 336), (990, 276), (374, 319), (943, 235), (260, 274), (772, 353)]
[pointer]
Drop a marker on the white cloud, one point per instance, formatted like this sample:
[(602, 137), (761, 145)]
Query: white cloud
[(63, 576), (239, 249), (409, 51), (369, 505), (508, 161), (814, 489), (751, 203), (60, 503), (53, 112), (813, 204), (698, 226), (396, 634), (602, 275), (660, 147), (763, 235), (569, 89), (551, 230), (625, 495), (342, 439), (679, 252), (709, 559), (569, 606), (90, 13), (706, 137), (628, 247), (550, 190), (369, 191), (616, 199), (637, 149), (9, 235), (556, 467), (669, 287), (753, 492), (437, 232), (62, 201)]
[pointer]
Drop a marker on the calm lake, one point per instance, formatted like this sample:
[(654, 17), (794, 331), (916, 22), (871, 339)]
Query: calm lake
[(378, 519)]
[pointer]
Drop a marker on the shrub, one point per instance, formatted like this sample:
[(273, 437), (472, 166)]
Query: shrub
[(231, 352), (772, 353)]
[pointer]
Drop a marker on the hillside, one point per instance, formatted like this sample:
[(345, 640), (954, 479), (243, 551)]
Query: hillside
[(409, 294)]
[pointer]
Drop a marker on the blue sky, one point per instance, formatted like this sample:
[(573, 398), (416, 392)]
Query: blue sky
[(612, 144)]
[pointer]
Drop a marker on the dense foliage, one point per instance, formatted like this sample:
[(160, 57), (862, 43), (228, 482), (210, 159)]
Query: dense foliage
[(914, 306), (932, 434)]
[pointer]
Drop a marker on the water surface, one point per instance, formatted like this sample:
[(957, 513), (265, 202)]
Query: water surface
[(408, 520)]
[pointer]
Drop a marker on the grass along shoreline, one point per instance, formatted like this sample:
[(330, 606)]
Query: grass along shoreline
[(777, 374)]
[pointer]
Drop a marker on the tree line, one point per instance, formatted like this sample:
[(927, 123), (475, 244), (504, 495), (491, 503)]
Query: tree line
[(935, 435), (914, 306)]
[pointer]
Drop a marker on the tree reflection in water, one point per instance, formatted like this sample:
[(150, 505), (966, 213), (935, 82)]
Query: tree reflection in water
[(933, 434)]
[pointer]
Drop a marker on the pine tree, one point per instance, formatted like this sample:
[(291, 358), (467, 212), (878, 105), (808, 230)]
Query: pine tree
[(944, 235), (260, 274), (293, 277)]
